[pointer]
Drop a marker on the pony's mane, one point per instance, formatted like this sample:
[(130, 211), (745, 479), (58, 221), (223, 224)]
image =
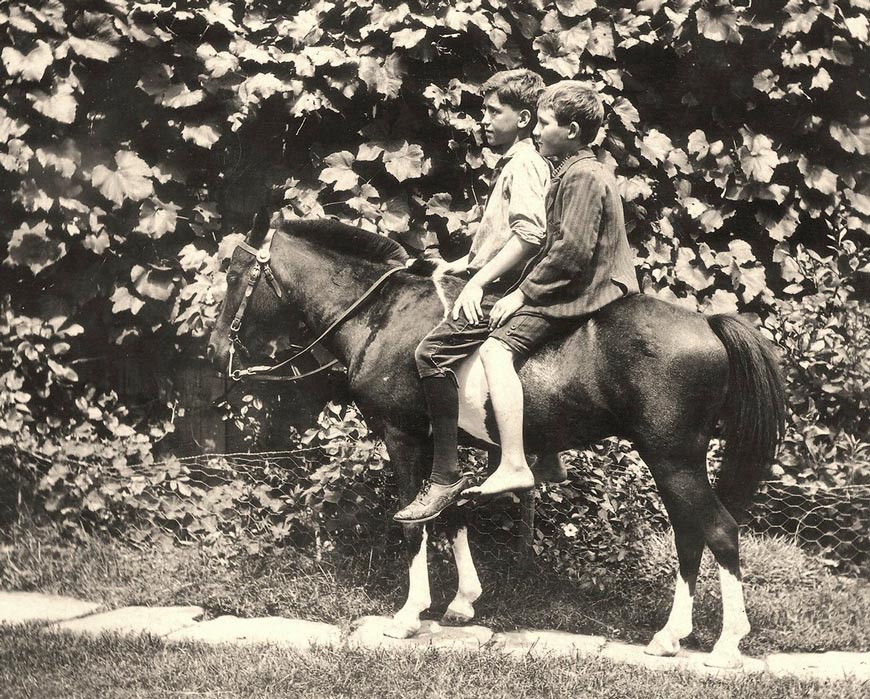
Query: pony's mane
[(341, 237)]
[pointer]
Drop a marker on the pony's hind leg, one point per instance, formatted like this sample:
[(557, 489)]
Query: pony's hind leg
[(699, 518), (468, 588), (690, 546)]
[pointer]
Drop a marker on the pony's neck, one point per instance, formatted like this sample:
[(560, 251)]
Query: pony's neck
[(322, 284)]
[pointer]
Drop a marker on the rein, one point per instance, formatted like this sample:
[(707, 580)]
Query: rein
[(264, 373)]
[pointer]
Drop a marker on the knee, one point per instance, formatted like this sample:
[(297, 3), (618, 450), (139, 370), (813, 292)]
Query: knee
[(492, 351)]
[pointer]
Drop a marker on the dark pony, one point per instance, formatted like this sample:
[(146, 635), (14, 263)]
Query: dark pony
[(640, 369)]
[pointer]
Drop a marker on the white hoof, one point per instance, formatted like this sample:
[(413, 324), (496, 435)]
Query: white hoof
[(456, 617), (728, 660), (663, 645), (401, 628)]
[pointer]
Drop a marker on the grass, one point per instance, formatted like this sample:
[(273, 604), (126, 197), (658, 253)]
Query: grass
[(793, 603), (35, 664)]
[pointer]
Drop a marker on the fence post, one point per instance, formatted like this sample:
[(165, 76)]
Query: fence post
[(524, 551)]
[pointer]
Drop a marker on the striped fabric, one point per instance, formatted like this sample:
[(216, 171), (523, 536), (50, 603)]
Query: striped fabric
[(585, 262)]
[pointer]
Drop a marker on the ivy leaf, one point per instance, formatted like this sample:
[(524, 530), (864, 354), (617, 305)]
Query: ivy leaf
[(601, 41), (626, 112), (262, 86), (10, 127), (157, 219), (132, 179), (29, 67), (91, 48), (554, 55), (408, 38), (818, 177), (153, 283), (575, 8), (784, 227), (750, 282), (757, 157), (800, 20), (204, 136), (59, 105), (440, 205), (821, 80), (711, 219), (383, 78), (217, 63), (180, 95), (691, 273), (33, 248), (64, 158), (656, 146), (395, 215), (718, 23), (859, 27), (97, 243), (122, 300), (852, 139), (406, 161), (721, 302), (303, 28), (339, 172), (17, 158)]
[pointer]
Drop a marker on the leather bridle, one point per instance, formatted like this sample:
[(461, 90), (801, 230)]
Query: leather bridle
[(261, 268)]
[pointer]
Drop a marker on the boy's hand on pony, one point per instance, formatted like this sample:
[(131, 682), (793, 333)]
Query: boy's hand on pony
[(468, 302)]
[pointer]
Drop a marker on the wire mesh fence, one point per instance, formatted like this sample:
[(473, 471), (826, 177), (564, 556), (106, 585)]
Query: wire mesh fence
[(341, 497)]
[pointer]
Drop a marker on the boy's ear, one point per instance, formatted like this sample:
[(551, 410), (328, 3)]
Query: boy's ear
[(573, 130), (524, 118)]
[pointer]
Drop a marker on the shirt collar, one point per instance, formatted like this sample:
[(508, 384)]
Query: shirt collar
[(522, 144), (569, 160)]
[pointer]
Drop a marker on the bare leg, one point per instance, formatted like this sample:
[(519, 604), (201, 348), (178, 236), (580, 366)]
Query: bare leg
[(506, 392)]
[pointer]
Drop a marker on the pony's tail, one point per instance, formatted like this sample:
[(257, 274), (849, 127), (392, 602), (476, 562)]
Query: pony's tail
[(754, 411)]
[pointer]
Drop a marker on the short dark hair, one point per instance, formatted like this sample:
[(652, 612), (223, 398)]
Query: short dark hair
[(518, 88), (572, 100)]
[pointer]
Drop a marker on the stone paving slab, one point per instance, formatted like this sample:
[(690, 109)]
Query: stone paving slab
[(127, 621), (292, 633), (540, 643), (689, 661), (180, 624), (369, 633), (833, 665), (24, 607)]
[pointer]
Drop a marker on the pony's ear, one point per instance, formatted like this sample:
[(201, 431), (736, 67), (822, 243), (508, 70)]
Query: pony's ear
[(259, 227)]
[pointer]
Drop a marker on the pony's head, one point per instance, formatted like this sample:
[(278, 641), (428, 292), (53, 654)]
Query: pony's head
[(252, 300)]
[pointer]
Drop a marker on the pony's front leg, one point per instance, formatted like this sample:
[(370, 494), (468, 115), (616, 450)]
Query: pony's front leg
[(406, 622), (468, 590)]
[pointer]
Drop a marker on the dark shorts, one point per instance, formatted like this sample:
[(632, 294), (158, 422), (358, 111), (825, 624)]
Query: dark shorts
[(451, 341), (527, 329)]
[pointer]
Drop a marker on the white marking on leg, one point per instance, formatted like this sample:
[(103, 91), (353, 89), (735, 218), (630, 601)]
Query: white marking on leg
[(473, 394), (679, 625), (442, 294), (735, 623), (468, 589), (406, 622)]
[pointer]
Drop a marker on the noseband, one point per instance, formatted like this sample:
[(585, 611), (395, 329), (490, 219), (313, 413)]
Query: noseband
[(260, 268)]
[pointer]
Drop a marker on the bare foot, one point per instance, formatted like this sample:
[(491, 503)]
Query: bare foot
[(505, 479)]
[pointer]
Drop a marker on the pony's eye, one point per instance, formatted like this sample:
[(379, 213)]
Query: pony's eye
[(225, 264)]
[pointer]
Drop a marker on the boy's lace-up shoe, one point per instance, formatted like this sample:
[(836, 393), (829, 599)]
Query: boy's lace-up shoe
[(431, 501)]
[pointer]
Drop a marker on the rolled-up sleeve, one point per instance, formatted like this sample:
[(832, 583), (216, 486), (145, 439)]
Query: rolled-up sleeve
[(527, 215), (575, 241)]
